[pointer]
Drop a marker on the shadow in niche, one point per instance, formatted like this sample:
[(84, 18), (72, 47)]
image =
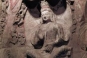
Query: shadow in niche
[(62, 54), (28, 56), (39, 44), (61, 6), (33, 5), (61, 43)]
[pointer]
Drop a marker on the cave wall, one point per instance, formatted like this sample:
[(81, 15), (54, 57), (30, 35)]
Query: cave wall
[(79, 19)]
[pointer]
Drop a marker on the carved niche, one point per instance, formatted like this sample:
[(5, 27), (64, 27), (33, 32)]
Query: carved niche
[(50, 32), (37, 28)]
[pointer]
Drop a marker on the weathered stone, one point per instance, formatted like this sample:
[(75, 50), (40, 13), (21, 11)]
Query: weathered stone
[(43, 29)]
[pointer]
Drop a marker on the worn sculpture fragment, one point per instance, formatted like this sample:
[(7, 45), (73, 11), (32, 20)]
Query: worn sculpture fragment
[(52, 34), (37, 31), (83, 31)]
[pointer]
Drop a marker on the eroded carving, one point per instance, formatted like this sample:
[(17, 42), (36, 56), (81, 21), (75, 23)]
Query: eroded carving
[(17, 32), (51, 34), (47, 35), (3, 15), (83, 31)]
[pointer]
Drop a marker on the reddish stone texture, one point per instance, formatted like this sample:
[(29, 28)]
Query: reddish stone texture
[(79, 9), (13, 3), (14, 34), (78, 16)]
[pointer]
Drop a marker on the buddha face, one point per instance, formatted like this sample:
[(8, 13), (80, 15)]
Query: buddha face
[(46, 12), (46, 15)]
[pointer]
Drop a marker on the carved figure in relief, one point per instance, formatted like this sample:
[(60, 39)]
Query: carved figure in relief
[(52, 34), (49, 34)]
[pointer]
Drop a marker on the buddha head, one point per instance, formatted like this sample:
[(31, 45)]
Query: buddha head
[(46, 12)]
